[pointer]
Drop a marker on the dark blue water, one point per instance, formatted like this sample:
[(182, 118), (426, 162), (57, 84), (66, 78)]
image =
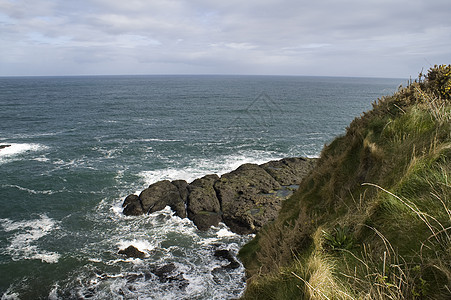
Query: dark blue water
[(79, 145)]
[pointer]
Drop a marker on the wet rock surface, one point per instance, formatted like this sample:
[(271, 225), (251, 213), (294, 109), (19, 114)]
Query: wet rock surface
[(244, 199), (227, 255), (132, 206), (169, 273)]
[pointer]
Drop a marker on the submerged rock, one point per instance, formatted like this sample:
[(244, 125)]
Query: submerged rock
[(227, 255), (169, 273), (244, 199), (132, 251), (163, 271)]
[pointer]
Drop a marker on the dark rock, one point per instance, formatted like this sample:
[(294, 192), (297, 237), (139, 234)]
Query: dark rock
[(233, 265), (160, 194), (168, 273), (227, 255), (156, 197), (132, 206), (165, 270), (246, 198), (204, 208), (4, 146), (223, 253), (130, 199), (89, 293), (182, 187), (179, 206), (289, 171), (132, 251)]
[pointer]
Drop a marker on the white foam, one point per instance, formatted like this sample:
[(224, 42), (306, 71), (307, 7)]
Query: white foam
[(188, 174), (159, 140), (117, 208), (41, 159), (202, 167), (165, 239), (10, 296), (140, 244), (225, 232), (221, 233), (53, 295), (12, 152), (48, 257), (79, 162), (25, 235), (31, 191)]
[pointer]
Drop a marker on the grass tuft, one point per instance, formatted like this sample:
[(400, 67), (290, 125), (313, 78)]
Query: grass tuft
[(373, 219)]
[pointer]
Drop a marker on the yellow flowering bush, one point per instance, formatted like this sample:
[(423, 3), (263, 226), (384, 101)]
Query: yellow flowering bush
[(439, 79)]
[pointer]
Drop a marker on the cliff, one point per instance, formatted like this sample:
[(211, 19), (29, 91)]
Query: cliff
[(373, 219)]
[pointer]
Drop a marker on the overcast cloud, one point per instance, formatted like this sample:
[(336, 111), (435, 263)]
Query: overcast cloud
[(377, 38)]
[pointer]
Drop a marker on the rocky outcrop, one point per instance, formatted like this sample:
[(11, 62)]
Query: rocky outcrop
[(289, 171), (4, 146), (247, 199), (244, 199)]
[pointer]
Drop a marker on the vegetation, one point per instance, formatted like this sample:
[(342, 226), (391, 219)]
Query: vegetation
[(373, 219)]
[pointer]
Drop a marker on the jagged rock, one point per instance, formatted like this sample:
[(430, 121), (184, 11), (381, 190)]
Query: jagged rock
[(4, 146), (247, 198), (289, 171), (244, 199), (132, 251), (132, 206), (204, 208)]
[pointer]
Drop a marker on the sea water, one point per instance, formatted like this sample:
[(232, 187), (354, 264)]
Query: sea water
[(77, 146)]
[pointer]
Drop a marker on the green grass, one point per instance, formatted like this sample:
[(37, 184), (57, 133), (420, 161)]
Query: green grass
[(373, 219)]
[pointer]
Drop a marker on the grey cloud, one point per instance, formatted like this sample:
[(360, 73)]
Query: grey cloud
[(275, 37)]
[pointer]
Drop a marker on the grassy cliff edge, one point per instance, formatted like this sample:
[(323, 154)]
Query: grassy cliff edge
[(373, 219)]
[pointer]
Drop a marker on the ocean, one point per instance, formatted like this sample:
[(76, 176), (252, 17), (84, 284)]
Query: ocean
[(77, 146)]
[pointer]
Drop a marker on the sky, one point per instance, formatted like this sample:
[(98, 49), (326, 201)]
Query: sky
[(364, 38)]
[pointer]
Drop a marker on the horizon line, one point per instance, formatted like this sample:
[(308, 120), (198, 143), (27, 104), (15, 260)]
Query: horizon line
[(200, 75)]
